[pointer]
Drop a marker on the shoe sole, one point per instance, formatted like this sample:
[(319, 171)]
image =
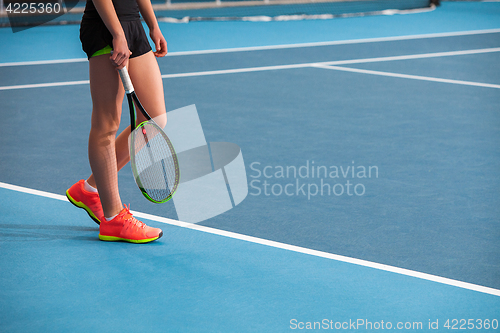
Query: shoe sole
[(137, 241), (80, 204)]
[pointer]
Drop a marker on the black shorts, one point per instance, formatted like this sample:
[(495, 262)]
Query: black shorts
[(95, 36)]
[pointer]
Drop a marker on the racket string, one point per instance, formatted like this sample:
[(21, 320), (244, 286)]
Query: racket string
[(155, 162)]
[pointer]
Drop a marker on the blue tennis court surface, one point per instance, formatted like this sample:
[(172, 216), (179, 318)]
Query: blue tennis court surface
[(371, 154), (56, 276)]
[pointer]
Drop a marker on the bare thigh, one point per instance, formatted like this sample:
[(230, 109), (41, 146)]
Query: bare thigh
[(107, 93), (148, 84)]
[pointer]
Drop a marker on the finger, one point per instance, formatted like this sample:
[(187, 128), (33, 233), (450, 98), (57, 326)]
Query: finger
[(162, 50), (117, 60), (120, 58), (157, 48), (122, 61), (123, 64)]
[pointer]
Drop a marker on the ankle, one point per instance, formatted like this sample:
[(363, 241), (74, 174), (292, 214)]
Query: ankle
[(110, 218), (89, 188)]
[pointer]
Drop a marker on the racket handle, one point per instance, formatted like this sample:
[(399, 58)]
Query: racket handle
[(127, 83)]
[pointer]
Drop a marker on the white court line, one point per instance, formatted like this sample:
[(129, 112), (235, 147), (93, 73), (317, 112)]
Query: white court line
[(44, 85), (407, 76), (292, 66), (277, 47), (42, 62), (237, 70), (293, 248), (412, 56), (345, 62), (340, 42)]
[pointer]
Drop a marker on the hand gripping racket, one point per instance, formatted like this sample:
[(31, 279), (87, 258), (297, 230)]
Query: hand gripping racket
[(152, 155)]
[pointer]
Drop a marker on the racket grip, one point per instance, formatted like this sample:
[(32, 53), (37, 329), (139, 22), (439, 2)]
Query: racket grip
[(127, 83)]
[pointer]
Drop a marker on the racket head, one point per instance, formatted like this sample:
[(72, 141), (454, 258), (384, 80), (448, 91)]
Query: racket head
[(154, 162)]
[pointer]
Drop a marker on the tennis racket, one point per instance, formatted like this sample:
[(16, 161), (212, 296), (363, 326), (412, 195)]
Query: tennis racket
[(152, 155)]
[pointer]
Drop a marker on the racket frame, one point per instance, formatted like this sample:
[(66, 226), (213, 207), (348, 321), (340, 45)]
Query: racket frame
[(133, 101)]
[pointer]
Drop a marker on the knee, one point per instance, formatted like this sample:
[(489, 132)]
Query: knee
[(104, 121)]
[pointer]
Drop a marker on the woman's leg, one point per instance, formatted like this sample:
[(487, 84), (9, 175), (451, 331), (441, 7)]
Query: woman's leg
[(148, 84), (107, 96), (146, 77)]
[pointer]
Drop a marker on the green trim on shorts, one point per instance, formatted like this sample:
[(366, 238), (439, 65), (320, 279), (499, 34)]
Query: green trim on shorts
[(106, 50)]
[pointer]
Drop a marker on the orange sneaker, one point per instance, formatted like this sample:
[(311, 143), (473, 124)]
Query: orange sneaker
[(125, 227), (89, 201)]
